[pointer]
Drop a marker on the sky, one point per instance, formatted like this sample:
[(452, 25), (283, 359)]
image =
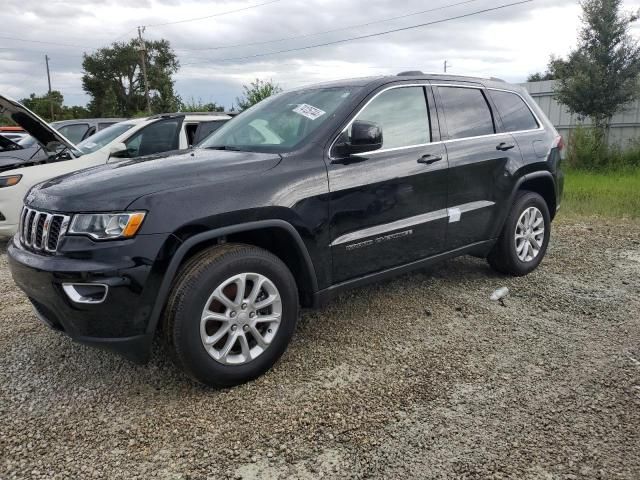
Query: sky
[(238, 40)]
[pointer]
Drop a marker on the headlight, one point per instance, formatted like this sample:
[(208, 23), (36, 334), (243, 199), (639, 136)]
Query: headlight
[(9, 181), (102, 226)]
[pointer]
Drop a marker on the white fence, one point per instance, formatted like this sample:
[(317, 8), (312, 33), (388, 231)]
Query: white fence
[(625, 125)]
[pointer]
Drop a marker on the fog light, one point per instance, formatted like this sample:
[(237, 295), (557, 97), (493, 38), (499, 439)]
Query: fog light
[(86, 292)]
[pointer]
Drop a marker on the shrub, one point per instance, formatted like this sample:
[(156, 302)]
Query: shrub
[(587, 149)]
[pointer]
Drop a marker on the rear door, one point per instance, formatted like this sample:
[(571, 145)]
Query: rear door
[(388, 206), (480, 155)]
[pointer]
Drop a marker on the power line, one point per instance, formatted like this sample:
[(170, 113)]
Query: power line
[(306, 35), (361, 37), (46, 43), (227, 12)]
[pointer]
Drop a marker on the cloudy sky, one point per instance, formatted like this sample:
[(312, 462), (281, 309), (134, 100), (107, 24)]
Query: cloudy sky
[(238, 40)]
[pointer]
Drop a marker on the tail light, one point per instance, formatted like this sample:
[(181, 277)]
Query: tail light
[(559, 143)]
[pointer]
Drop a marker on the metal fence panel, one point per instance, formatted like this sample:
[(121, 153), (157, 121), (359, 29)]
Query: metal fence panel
[(625, 125)]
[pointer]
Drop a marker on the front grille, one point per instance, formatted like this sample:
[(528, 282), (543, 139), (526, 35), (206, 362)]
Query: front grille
[(41, 231)]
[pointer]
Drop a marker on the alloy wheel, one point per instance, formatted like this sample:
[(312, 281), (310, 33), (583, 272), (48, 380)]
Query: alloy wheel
[(241, 318), (529, 234)]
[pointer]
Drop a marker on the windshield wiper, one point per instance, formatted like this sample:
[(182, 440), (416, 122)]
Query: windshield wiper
[(224, 147)]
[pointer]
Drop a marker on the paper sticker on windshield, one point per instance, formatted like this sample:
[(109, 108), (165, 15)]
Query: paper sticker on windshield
[(309, 111)]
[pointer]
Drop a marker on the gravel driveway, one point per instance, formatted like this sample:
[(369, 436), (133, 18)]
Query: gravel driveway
[(419, 377)]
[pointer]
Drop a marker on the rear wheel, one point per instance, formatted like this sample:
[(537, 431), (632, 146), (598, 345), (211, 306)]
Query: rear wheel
[(524, 238), (231, 314)]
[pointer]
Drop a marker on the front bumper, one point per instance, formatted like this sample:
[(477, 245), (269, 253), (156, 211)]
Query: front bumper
[(129, 268)]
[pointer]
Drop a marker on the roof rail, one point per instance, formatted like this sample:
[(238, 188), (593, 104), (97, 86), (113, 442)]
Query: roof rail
[(410, 73), (181, 114)]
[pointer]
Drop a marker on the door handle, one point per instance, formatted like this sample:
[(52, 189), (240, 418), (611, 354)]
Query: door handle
[(504, 146), (428, 159)]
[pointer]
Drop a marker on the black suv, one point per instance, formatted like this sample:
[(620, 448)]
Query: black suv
[(307, 193)]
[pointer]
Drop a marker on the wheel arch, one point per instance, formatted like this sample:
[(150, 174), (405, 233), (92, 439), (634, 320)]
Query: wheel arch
[(541, 183), (282, 236)]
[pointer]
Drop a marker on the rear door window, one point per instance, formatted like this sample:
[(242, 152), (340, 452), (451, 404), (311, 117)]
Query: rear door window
[(158, 137), (207, 128), (74, 132), (466, 111), (514, 112)]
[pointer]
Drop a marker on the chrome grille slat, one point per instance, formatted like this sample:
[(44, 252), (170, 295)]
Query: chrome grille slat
[(34, 228), (42, 231)]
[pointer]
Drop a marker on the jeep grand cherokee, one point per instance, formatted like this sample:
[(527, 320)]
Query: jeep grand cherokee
[(304, 195)]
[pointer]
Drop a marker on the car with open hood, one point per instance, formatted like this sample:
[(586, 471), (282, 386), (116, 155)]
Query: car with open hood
[(128, 139)]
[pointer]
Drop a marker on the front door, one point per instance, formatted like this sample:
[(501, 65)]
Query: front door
[(388, 206)]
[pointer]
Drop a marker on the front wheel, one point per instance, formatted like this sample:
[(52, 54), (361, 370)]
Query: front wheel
[(231, 314), (524, 238)]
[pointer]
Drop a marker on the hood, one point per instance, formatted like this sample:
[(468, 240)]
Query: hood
[(7, 144), (46, 135), (114, 186)]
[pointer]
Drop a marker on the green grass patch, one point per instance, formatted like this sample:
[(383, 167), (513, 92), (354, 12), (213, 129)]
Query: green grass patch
[(609, 193)]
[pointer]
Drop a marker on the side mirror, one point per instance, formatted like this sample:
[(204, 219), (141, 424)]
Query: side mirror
[(365, 137), (118, 150)]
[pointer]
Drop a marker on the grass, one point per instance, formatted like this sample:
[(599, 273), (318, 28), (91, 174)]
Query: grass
[(605, 193)]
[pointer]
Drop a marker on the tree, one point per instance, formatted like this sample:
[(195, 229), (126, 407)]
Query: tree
[(555, 69), (256, 92), (193, 105), (41, 106), (113, 78), (601, 75)]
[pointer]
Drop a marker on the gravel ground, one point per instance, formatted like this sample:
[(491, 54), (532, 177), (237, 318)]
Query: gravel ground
[(419, 377)]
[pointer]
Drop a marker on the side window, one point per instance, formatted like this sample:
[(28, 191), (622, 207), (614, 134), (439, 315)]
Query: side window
[(74, 132), (190, 129), (207, 128), (514, 112), (402, 114), (90, 132), (466, 111), (102, 126), (158, 137)]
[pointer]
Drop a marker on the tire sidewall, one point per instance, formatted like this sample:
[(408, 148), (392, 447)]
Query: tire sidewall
[(529, 199), (194, 358)]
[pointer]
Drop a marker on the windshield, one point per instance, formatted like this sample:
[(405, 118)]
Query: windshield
[(103, 137), (281, 122)]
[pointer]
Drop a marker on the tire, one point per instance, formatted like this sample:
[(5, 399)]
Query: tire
[(198, 285), (506, 256)]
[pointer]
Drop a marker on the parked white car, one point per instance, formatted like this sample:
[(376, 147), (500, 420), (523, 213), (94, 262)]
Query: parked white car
[(128, 139)]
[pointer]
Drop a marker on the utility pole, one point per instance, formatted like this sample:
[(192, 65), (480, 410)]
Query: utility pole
[(446, 63), (143, 60), (46, 60)]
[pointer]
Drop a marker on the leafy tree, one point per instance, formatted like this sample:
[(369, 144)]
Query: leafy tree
[(601, 75), (256, 92), (41, 106), (113, 78), (193, 105), (555, 69)]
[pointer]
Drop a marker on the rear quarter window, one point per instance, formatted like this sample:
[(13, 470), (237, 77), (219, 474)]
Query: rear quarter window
[(514, 112)]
